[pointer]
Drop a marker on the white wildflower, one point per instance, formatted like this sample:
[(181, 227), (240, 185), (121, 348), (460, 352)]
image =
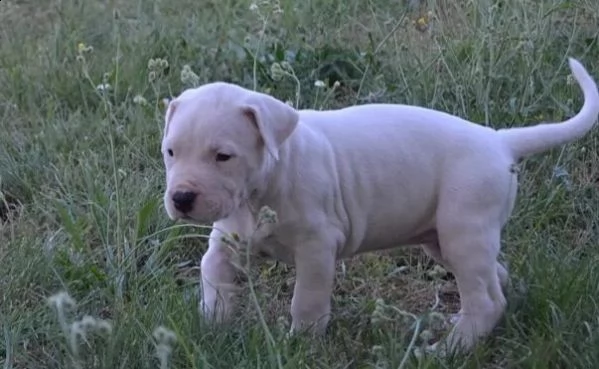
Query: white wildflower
[(165, 338), (426, 335), (437, 272), (79, 331), (286, 66), (155, 68), (378, 314), (267, 216), (276, 71), (140, 100), (103, 87), (157, 64), (61, 300), (189, 77)]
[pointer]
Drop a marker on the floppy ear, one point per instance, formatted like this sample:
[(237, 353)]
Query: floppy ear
[(171, 106), (274, 119)]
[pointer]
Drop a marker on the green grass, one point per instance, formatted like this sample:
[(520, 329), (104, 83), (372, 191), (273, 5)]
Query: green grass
[(81, 177)]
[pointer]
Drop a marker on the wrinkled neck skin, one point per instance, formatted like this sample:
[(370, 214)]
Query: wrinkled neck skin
[(265, 186), (260, 183), (282, 186)]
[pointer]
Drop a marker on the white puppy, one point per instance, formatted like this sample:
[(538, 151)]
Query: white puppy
[(347, 181)]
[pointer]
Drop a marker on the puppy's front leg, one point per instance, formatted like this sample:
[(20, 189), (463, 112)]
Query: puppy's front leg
[(315, 276), (218, 279)]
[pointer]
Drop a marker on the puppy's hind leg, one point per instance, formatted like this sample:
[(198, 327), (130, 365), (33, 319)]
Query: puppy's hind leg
[(433, 250), (470, 248)]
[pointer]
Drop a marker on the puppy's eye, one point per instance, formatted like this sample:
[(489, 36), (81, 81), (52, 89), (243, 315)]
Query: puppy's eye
[(170, 152), (223, 157)]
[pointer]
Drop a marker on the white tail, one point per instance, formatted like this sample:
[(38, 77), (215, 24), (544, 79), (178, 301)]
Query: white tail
[(525, 141)]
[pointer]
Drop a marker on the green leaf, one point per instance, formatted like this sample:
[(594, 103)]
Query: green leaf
[(144, 217)]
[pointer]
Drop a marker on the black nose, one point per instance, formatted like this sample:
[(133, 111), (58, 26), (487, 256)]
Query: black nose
[(184, 200)]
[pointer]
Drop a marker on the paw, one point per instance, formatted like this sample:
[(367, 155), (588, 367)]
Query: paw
[(312, 327), (436, 349), (454, 318)]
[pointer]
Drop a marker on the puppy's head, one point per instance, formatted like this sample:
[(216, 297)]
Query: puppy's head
[(217, 141)]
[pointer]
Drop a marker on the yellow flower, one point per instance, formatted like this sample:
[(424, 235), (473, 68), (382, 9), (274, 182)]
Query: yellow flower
[(423, 22), (83, 48)]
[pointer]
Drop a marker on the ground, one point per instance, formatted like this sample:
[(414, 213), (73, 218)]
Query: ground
[(93, 273)]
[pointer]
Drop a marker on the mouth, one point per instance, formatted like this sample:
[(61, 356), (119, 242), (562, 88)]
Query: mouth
[(205, 220), (188, 219), (199, 217)]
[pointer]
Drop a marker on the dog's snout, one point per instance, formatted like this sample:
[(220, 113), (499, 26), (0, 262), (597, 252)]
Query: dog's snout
[(183, 200)]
